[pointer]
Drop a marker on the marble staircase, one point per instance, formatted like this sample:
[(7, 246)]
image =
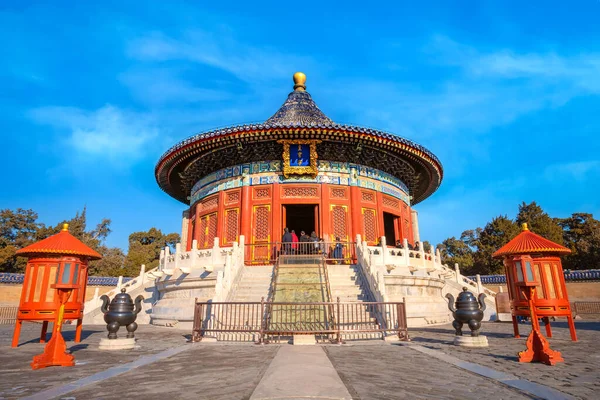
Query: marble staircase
[(347, 283), (254, 284)]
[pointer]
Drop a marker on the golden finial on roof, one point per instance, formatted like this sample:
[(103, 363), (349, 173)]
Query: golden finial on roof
[(299, 80), (65, 227), (524, 227)]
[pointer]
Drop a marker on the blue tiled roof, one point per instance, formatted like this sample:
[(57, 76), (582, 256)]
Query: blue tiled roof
[(570, 276), (6, 277)]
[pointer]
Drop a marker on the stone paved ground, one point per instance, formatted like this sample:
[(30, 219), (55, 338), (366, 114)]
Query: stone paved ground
[(579, 375), (17, 379), (371, 370), (204, 372), (397, 372)]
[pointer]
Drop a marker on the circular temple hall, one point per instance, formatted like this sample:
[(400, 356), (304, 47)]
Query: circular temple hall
[(301, 170), (301, 209)]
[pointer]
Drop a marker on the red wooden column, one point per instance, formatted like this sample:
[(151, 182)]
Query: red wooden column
[(246, 217), (190, 228), (380, 227), (355, 213), (220, 217), (277, 227), (325, 228), (197, 222)]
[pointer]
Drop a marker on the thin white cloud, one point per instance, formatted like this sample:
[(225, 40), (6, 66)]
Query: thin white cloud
[(578, 171), (155, 86), (108, 132), (469, 93), (220, 50)]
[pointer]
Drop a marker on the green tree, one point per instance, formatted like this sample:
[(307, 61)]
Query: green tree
[(145, 247), (540, 222), (582, 237), (457, 251), (426, 246), (20, 228), (111, 264), (17, 230), (494, 235)]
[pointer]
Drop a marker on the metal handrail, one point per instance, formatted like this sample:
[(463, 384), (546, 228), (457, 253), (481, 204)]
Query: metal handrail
[(327, 249), (299, 318)]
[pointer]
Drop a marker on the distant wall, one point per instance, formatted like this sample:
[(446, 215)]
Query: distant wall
[(11, 293), (578, 291)]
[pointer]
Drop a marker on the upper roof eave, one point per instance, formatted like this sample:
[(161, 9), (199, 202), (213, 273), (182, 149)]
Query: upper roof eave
[(214, 133)]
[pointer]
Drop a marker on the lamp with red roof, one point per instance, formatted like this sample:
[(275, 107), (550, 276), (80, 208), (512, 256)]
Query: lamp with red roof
[(59, 260), (533, 261)]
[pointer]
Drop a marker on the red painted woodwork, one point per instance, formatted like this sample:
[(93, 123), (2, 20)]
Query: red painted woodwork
[(538, 349), (39, 302), (55, 352), (248, 200), (551, 297)]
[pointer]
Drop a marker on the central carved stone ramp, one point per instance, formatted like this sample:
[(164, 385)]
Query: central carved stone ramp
[(300, 279)]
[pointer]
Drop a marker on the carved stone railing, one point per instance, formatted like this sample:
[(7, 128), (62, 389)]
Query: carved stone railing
[(228, 278), (372, 272), (208, 259), (379, 261), (132, 284)]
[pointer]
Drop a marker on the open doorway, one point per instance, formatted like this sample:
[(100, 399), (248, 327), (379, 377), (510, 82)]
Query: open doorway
[(389, 228), (301, 217)]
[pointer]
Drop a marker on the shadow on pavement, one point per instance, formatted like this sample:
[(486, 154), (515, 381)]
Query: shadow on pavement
[(78, 347)]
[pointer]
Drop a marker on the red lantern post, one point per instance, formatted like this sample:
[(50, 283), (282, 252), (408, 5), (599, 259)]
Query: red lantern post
[(550, 298), (538, 348), (55, 352), (39, 297)]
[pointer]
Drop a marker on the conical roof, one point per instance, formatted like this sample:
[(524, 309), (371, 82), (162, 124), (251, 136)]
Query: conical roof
[(299, 108), (63, 243), (528, 242)]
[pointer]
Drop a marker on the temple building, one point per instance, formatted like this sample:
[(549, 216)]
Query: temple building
[(352, 189), (300, 170)]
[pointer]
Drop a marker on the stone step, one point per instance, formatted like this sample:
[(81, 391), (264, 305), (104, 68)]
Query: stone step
[(256, 287)]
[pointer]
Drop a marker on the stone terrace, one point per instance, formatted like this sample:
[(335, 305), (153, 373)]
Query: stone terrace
[(369, 370)]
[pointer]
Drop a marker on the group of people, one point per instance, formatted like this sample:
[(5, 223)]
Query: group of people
[(305, 244), (416, 247)]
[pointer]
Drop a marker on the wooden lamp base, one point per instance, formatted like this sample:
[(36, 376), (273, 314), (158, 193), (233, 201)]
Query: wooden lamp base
[(54, 354), (538, 350)]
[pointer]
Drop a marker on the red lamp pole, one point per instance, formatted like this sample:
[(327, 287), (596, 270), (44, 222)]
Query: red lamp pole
[(55, 352), (538, 348)]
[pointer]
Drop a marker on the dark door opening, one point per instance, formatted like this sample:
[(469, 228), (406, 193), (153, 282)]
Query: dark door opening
[(389, 228), (301, 217)]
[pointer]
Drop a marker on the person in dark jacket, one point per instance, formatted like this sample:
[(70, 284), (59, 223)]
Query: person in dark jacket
[(287, 240), (338, 251), (303, 247)]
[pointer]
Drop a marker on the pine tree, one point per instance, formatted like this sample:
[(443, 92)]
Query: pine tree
[(540, 222)]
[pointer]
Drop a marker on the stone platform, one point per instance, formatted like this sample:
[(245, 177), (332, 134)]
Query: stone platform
[(428, 367)]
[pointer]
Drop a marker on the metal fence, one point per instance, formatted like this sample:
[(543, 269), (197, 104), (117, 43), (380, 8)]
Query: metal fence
[(328, 321), (332, 252), (586, 307), (8, 315)]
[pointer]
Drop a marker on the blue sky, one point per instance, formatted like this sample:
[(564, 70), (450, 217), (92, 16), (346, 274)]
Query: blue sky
[(506, 94)]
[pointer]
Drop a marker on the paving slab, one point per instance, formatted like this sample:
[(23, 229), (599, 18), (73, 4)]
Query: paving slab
[(301, 373), (578, 376), (212, 371), (165, 365), (396, 372), (18, 380)]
